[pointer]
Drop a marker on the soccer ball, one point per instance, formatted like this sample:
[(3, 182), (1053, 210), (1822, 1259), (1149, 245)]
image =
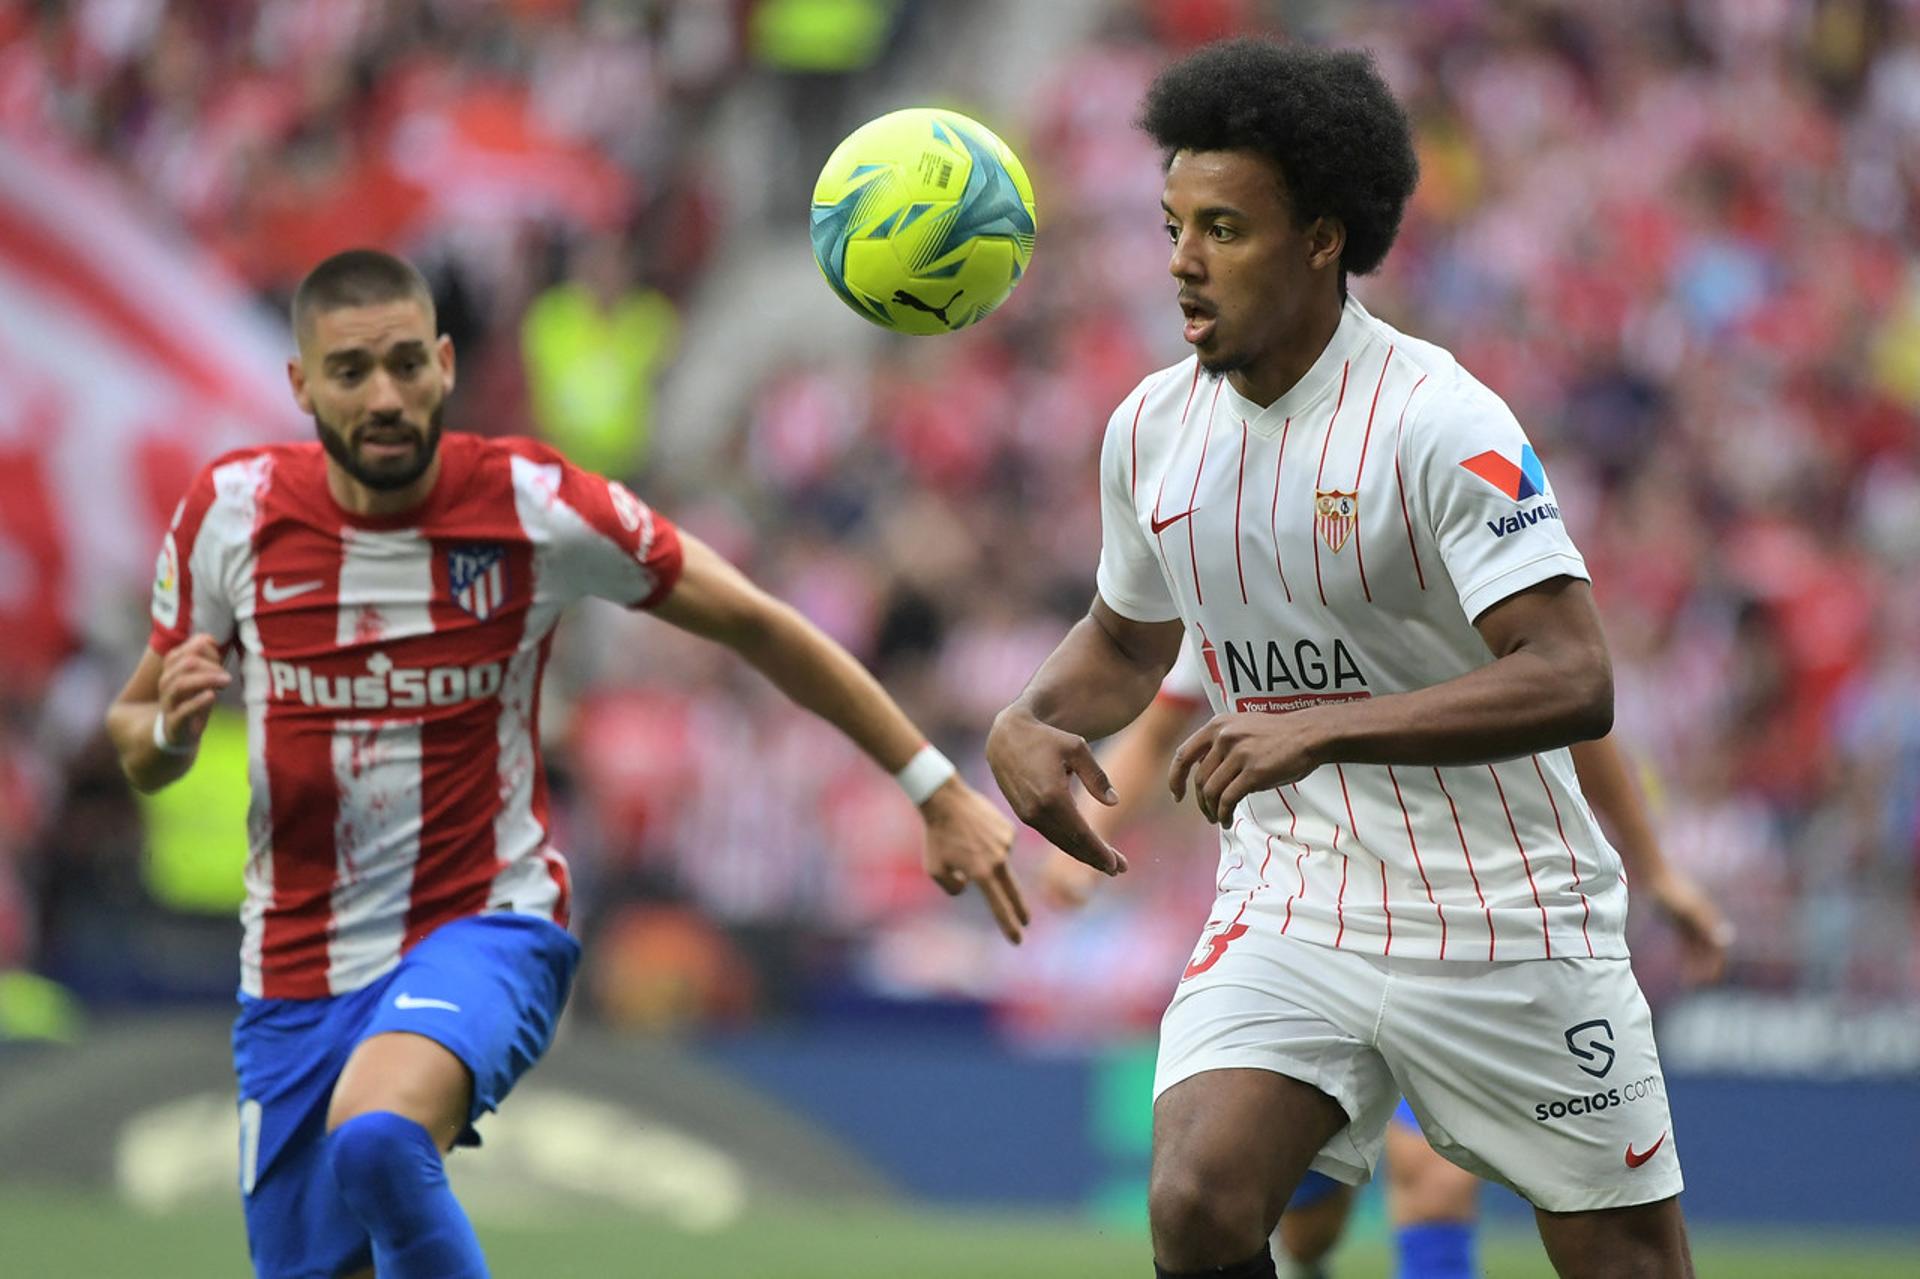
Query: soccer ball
[(923, 221)]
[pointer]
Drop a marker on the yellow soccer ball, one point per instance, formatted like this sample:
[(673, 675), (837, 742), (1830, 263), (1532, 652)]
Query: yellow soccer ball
[(923, 220)]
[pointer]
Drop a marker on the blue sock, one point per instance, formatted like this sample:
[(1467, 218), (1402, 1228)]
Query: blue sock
[(391, 1175), (1435, 1250)]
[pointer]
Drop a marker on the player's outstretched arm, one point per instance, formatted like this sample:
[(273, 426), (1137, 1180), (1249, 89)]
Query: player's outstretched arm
[(1103, 674), (1550, 684), (156, 721), (1134, 762), (1608, 784), (967, 838)]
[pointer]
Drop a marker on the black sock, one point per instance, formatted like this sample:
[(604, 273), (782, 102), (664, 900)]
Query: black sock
[(1258, 1266)]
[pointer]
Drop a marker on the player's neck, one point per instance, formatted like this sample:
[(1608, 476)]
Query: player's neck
[(357, 499), (1271, 376)]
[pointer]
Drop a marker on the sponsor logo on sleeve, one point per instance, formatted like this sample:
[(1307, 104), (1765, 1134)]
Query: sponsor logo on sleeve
[(1521, 482), (1528, 479), (166, 584)]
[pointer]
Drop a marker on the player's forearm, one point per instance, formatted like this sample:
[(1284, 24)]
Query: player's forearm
[(148, 768), (1093, 684), (1527, 701), (1609, 786), (819, 675)]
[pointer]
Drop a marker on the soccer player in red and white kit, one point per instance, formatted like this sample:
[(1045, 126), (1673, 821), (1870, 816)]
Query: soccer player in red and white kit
[(1414, 898), (391, 596)]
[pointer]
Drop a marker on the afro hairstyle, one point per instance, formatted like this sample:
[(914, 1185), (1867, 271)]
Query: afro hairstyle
[(1323, 116)]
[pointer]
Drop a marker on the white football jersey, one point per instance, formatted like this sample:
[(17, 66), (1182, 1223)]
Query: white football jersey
[(1333, 546)]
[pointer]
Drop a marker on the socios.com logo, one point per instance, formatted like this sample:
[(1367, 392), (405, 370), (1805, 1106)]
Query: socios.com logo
[(1590, 1041)]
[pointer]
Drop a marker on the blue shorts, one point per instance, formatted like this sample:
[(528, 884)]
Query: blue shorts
[(488, 988), (1317, 1186)]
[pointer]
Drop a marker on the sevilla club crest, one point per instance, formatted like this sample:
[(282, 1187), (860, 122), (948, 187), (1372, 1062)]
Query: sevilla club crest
[(1334, 515)]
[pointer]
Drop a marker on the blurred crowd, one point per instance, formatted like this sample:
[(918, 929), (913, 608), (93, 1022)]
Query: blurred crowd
[(1676, 235)]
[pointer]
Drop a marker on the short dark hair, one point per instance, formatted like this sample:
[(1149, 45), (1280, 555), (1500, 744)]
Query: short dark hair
[(358, 277), (1323, 116)]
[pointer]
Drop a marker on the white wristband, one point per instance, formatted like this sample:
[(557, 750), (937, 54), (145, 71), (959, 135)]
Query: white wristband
[(924, 774), (160, 741)]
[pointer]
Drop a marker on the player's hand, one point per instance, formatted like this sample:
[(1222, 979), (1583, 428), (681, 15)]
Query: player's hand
[(1705, 934), (967, 843), (1034, 762), (191, 677), (1067, 883), (1237, 753)]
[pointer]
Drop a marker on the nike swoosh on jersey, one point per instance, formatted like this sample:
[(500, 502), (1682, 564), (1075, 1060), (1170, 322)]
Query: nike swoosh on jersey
[(1159, 525), (1635, 1159), (273, 592), (406, 1003)]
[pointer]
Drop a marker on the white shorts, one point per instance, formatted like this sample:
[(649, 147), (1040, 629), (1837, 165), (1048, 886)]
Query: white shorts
[(1539, 1074)]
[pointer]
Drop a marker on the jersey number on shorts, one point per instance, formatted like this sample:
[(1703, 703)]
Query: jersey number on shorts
[(1216, 947), (249, 1145)]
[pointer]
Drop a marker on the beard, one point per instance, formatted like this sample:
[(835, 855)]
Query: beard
[(1224, 362), (388, 475)]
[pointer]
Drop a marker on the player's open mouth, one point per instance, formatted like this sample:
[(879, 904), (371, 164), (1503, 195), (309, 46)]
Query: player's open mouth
[(1200, 318), (388, 444)]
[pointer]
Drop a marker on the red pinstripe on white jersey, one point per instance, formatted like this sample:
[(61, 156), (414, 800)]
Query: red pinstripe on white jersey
[(391, 669), (1408, 547)]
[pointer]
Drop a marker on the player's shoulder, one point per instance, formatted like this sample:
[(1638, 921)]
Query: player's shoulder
[(550, 477), (1159, 392), (524, 447), (238, 478), (259, 457), (1444, 399), (532, 463)]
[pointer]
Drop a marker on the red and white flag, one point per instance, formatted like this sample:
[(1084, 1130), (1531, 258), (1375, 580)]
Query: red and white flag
[(127, 359)]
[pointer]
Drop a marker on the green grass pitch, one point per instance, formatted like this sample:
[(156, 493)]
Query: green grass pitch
[(82, 1237)]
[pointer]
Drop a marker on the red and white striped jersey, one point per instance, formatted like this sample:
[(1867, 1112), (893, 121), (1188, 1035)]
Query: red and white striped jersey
[(391, 670), (1337, 545)]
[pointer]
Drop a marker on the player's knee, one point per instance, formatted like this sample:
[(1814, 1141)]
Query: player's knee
[(380, 1152), (1190, 1212)]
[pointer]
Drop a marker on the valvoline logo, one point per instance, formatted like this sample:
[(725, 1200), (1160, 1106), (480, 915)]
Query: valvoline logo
[(1529, 479)]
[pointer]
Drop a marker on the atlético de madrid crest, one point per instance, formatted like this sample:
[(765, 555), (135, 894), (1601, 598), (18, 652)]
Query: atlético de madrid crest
[(1334, 515), (477, 578)]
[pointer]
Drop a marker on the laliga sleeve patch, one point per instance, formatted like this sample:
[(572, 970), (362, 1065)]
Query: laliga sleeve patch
[(166, 584)]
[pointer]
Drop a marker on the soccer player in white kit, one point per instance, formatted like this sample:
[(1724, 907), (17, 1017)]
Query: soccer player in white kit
[(1414, 898)]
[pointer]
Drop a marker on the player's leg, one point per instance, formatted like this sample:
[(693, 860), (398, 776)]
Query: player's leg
[(1229, 1146), (467, 1012), (1543, 1075), (1265, 1069), (1312, 1223), (1644, 1240), (400, 1104), (1432, 1205), (287, 1054)]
